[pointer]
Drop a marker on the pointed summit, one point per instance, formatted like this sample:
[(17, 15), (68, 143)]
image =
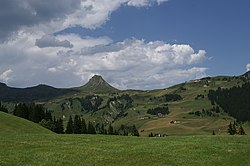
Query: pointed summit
[(97, 80), (98, 85)]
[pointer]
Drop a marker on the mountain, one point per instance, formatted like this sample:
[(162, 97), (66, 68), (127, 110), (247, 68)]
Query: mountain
[(40, 92), (183, 109), (44, 92), (13, 124), (97, 85)]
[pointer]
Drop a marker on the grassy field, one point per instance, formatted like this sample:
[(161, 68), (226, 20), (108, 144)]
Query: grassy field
[(13, 124), (52, 149)]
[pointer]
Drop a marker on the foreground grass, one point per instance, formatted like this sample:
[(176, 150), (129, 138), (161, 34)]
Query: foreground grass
[(52, 149), (14, 124)]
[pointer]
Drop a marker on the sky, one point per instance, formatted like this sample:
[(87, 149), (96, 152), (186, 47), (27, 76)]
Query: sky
[(132, 44)]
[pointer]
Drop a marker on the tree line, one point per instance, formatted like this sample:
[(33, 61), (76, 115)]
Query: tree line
[(235, 128), (78, 125), (3, 108), (37, 114), (234, 101)]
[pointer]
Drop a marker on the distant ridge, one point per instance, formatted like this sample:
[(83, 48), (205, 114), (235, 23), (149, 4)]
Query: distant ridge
[(44, 92), (40, 92), (98, 85)]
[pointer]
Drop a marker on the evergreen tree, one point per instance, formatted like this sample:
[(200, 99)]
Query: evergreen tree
[(3, 108), (102, 129), (91, 128), (135, 132), (110, 130), (38, 113), (59, 126), (48, 115), (241, 130), (77, 125), (69, 128), (151, 135), (49, 124), (21, 110), (232, 129), (125, 133), (84, 127)]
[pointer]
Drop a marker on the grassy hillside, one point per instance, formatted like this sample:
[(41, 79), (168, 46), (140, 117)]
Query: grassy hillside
[(117, 110), (115, 150), (99, 102), (10, 124)]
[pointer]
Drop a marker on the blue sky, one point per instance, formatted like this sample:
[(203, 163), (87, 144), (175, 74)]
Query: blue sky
[(139, 44)]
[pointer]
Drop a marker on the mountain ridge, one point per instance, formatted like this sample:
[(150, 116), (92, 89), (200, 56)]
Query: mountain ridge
[(96, 84), (188, 104)]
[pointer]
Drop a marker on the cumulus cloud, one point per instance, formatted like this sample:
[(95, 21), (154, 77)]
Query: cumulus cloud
[(131, 63), (248, 67), (52, 16), (51, 41), (6, 76), (65, 60), (141, 65)]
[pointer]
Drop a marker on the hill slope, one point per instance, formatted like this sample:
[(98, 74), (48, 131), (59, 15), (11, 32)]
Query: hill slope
[(40, 92), (12, 124), (191, 111)]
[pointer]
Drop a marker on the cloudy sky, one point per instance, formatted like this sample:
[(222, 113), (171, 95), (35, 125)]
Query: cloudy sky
[(135, 44)]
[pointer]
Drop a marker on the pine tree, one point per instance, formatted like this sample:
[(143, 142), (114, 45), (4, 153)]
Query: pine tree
[(69, 128), (77, 125), (232, 129), (59, 126), (102, 129), (135, 132), (21, 110), (91, 128), (241, 130), (84, 127), (3, 109), (110, 130), (48, 115)]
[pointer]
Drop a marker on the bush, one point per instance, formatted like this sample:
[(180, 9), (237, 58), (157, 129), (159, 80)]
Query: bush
[(156, 111)]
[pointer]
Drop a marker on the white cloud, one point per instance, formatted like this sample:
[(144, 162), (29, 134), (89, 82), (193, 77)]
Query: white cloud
[(68, 60), (248, 67), (33, 65), (140, 65), (6, 75), (131, 63), (52, 16)]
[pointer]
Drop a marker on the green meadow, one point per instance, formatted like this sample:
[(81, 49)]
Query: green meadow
[(54, 149)]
